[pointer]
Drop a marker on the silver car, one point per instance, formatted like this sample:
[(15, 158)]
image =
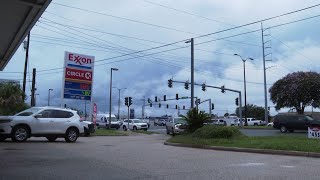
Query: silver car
[(176, 125)]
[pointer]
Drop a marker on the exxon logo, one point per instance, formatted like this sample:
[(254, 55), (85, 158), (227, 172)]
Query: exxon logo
[(78, 59)]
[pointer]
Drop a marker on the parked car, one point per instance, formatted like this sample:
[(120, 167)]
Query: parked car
[(160, 122), (254, 122), (103, 121), (287, 122), (218, 122), (146, 121), (134, 124), (270, 124), (48, 122), (176, 125), (88, 127)]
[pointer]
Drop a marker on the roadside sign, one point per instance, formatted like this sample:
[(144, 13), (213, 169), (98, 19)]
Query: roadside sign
[(314, 132), (78, 76), (94, 115)]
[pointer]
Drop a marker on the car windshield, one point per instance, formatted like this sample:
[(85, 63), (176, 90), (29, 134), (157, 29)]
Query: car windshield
[(29, 112), (309, 118), (137, 121), (179, 121)]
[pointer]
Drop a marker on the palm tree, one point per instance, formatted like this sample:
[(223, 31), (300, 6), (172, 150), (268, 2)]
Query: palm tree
[(11, 99), (196, 119)]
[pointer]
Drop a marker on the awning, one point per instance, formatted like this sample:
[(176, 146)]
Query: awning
[(17, 17)]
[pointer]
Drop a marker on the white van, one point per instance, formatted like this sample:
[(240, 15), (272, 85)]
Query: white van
[(103, 121)]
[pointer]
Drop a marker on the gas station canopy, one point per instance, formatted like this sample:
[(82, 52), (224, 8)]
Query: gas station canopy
[(17, 17)]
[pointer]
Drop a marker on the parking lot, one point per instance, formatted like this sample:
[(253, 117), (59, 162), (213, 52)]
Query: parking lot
[(142, 157)]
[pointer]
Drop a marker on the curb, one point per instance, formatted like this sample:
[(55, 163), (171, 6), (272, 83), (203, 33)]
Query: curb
[(248, 150), (259, 129)]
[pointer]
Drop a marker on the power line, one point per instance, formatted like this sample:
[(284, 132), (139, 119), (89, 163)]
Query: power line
[(126, 19)]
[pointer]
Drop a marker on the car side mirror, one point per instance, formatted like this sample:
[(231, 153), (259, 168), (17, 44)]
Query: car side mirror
[(38, 116)]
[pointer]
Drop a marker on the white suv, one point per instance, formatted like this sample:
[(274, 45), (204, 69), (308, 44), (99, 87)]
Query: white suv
[(134, 124), (46, 122)]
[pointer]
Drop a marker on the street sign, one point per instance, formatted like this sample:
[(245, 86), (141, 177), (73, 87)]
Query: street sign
[(184, 97), (314, 132), (78, 76)]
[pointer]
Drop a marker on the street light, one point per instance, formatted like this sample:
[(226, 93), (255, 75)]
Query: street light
[(49, 96), (112, 69), (119, 100), (245, 88)]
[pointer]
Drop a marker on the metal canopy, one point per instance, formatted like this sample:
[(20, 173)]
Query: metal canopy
[(17, 17)]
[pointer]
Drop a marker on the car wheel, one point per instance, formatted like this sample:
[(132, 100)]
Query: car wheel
[(283, 129), (72, 135), (134, 128), (291, 130), (2, 138), (255, 124), (168, 132), (98, 127), (52, 138), (124, 128), (20, 134)]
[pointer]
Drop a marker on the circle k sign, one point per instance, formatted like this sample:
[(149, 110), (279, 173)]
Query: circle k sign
[(78, 74)]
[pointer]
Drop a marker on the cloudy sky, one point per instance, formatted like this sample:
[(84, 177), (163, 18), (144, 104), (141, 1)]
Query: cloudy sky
[(107, 29)]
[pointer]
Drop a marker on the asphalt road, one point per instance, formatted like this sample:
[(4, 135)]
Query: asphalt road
[(143, 157)]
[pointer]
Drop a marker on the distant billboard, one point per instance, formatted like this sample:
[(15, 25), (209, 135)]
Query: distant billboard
[(78, 76)]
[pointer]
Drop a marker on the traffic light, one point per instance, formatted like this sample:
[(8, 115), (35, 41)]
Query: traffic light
[(130, 101), (184, 107), (167, 106), (176, 106), (222, 89), (156, 99), (150, 104), (126, 101), (159, 105), (177, 96), (149, 100), (186, 85), (237, 101), (212, 106), (203, 87), (170, 83), (164, 97)]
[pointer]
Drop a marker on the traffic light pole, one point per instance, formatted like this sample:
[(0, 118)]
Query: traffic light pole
[(209, 104), (226, 89)]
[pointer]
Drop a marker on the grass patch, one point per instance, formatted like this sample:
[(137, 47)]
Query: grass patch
[(109, 132), (284, 142), (145, 132)]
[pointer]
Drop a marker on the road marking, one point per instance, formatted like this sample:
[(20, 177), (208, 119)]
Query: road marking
[(248, 164), (285, 166)]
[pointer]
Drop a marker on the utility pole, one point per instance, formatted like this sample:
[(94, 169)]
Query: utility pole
[(33, 89), (264, 75), (144, 103), (192, 70), (26, 64)]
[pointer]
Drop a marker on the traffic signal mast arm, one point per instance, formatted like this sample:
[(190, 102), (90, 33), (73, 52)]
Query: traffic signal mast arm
[(216, 87)]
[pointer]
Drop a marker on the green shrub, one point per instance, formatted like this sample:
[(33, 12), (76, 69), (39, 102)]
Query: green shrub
[(211, 131)]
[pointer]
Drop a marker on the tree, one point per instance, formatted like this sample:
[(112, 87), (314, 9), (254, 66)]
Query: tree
[(296, 90), (11, 99), (195, 119), (252, 111)]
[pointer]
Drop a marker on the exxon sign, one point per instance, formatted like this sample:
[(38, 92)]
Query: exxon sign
[(79, 61)]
